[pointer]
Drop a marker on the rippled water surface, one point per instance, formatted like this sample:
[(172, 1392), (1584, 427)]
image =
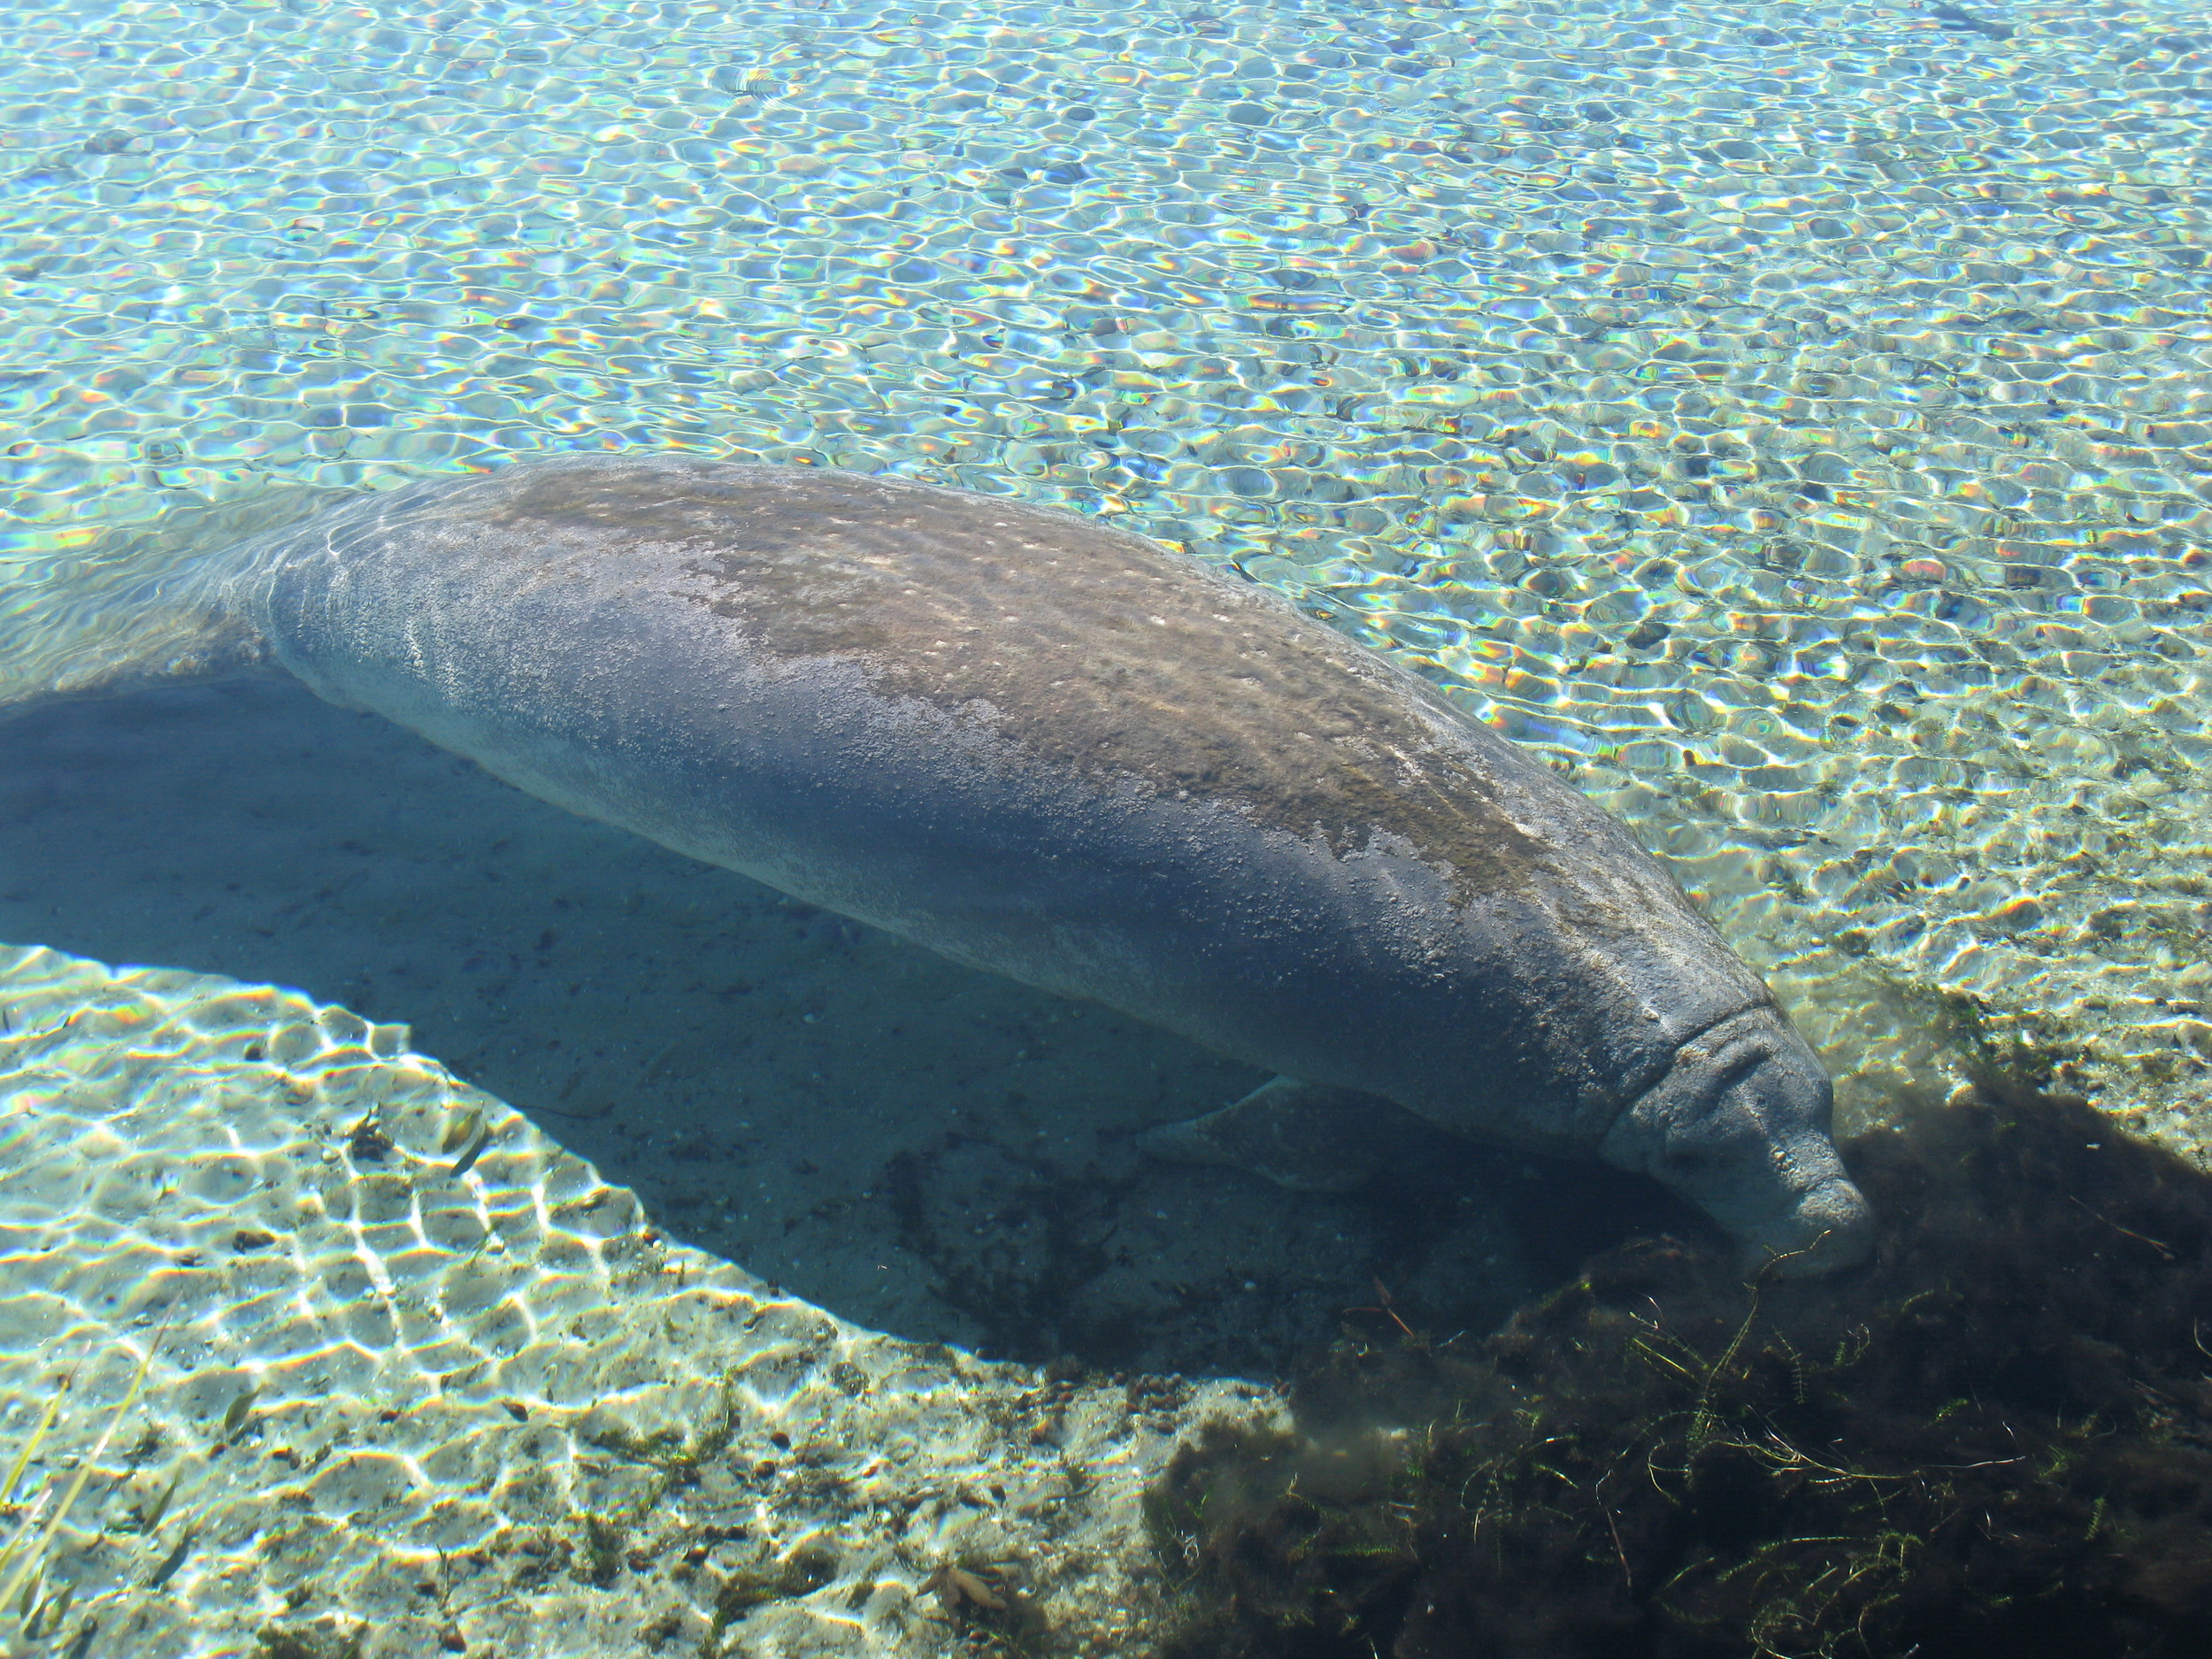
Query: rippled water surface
[(1793, 418)]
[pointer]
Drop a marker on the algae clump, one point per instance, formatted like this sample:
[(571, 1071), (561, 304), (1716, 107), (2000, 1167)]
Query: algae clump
[(1994, 1438)]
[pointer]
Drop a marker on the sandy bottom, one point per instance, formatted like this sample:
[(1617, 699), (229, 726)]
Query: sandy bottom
[(421, 1381)]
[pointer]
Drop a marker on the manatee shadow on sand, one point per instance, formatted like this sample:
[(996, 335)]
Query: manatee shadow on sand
[(921, 1147)]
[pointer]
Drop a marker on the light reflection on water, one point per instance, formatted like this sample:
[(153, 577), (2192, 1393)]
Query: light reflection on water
[(1792, 419)]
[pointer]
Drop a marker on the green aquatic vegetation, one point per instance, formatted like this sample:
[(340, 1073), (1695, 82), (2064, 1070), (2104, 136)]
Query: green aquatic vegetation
[(460, 1130), (236, 1414), (23, 1558), (604, 1540), (179, 1552), (1995, 1438), (467, 1162), (801, 1572), (327, 1637), (2022, 1056), (146, 1519), (675, 1457)]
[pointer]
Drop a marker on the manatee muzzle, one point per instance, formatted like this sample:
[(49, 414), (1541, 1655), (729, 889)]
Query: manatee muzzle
[(1739, 1125)]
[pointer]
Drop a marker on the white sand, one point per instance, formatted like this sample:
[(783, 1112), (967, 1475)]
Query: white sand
[(444, 1375)]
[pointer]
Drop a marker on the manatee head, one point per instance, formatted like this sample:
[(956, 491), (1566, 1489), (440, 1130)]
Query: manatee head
[(1740, 1126)]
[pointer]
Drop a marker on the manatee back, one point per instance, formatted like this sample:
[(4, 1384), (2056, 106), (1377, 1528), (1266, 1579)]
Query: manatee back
[(1058, 751)]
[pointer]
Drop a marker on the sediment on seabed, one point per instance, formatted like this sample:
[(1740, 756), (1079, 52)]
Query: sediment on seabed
[(417, 1380), (1997, 1438)]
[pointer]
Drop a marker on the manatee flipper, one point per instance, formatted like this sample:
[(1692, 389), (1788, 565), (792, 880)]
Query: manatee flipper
[(1302, 1136)]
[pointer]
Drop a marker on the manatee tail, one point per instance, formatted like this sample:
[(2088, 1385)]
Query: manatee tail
[(141, 603)]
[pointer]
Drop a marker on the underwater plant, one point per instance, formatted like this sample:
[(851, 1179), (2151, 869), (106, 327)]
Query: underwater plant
[(1996, 1438), (23, 1557)]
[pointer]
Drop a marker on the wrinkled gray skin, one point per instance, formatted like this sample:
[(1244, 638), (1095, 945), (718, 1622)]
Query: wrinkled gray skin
[(1067, 755)]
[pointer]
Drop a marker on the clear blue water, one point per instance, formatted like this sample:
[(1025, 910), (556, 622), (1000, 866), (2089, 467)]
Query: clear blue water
[(1792, 419)]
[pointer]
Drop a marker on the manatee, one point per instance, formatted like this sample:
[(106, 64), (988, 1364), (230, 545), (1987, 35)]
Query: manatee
[(1063, 753)]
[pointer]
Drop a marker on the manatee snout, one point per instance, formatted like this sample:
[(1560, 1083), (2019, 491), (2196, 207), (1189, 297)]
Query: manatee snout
[(1739, 1125)]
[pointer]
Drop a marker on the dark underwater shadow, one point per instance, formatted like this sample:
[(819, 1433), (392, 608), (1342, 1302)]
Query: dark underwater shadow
[(1996, 1439), (923, 1148)]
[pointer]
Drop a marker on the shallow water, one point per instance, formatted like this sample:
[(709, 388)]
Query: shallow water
[(1792, 420), (415, 1380)]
